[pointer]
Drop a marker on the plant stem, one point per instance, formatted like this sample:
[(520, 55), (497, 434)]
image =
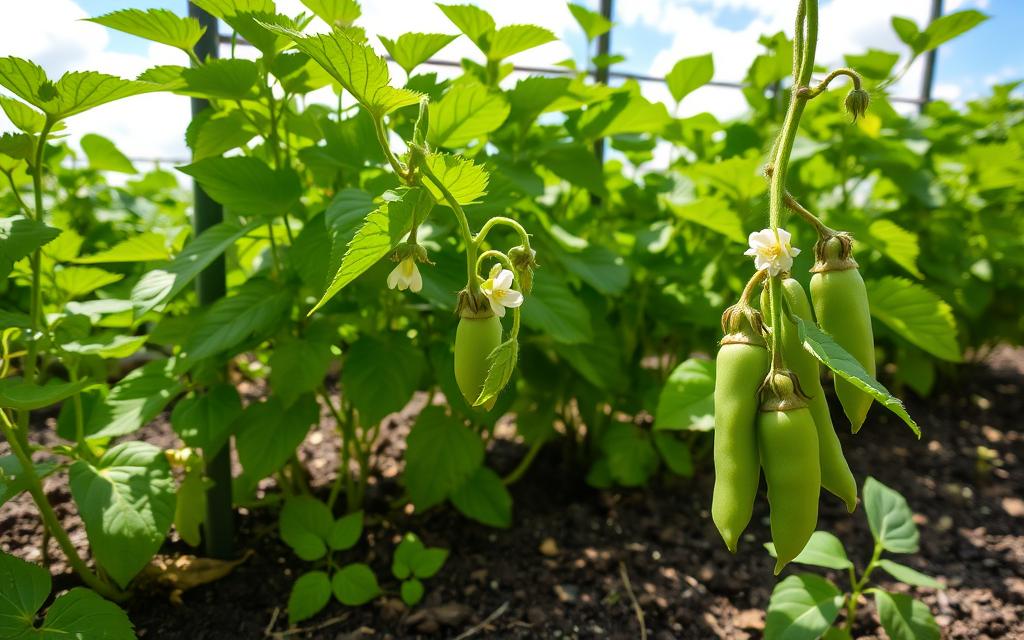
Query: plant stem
[(821, 86), (523, 465), (50, 520), (490, 224), (17, 194), (467, 235), (382, 138), (804, 45), (858, 587)]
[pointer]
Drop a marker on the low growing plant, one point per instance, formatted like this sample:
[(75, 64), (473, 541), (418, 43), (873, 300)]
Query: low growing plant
[(806, 605)]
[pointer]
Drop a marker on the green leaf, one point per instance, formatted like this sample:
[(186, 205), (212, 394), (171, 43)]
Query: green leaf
[(127, 502), (20, 237), (905, 618), (428, 562), (138, 398), (356, 66), (687, 401), (255, 310), (593, 23), (13, 481), (516, 38), (484, 498), (345, 531), (576, 164), (158, 25), (160, 285), (381, 375), (227, 8), (412, 592), (305, 526), (268, 435), (382, 230), (190, 509), (898, 244), (874, 64), (907, 575), (689, 74), (471, 20), (407, 552), (916, 314), (441, 455), (298, 366), (247, 186), (28, 81), (104, 156), (465, 180), (75, 92), (675, 452), (555, 311), (502, 366), (18, 394), (802, 607), (82, 613), (829, 353), (822, 550), (110, 345), (355, 584), (144, 247), (890, 518), (467, 112), (411, 50), (632, 458), (336, 13), (949, 26), (76, 282), (24, 587), (713, 213), (17, 147), (309, 595), (222, 78), (204, 420), (22, 116), (220, 132), (599, 267), (907, 30)]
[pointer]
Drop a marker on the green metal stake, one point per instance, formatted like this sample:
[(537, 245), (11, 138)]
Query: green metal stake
[(210, 286)]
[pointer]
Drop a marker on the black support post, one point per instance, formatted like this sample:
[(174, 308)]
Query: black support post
[(210, 286), (928, 77), (604, 47)]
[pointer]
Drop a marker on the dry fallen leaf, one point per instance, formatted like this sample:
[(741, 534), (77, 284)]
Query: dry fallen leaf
[(177, 574)]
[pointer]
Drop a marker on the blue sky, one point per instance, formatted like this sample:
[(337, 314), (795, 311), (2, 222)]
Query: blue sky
[(652, 34)]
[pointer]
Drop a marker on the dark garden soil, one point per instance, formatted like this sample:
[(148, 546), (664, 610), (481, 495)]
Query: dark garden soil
[(560, 571)]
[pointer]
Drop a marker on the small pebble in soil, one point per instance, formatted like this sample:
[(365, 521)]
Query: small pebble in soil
[(549, 547)]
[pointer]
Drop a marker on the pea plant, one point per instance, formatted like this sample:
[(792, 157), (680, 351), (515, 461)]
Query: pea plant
[(455, 242), (894, 531)]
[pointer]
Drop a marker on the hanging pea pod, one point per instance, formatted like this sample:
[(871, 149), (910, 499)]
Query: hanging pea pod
[(836, 476), (741, 366), (841, 306), (478, 334), (788, 444)]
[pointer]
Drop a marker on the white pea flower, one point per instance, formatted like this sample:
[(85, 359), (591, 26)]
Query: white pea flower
[(406, 276), (772, 252), (499, 291)]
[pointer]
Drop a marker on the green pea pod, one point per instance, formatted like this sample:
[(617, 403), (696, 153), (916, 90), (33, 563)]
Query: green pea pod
[(741, 366), (788, 444), (841, 306), (836, 476), (475, 339)]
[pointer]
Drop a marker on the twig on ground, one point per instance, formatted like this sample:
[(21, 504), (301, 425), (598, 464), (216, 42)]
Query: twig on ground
[(497, 613), (273, 621), (277, 635), (632, 598)]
